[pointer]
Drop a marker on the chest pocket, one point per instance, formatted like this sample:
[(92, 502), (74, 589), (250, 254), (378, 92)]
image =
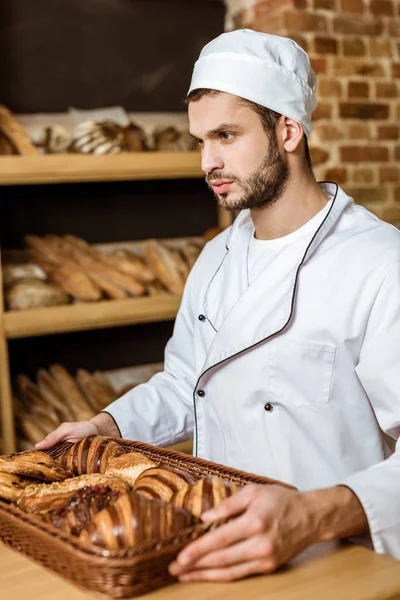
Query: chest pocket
[(300, 372)]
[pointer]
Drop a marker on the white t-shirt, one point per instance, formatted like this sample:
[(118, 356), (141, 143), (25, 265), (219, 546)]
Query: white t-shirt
[(260, 250)]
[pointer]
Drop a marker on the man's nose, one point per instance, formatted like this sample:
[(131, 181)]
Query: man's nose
[(211, 159)]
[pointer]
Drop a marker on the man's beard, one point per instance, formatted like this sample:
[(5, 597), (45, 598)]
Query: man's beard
[(264, 187)]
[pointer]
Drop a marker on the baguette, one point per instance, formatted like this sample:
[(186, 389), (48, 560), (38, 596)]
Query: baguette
[(191, 253), (98, 391), (12, 130), (51, 392), (75, 282), (31, 429), (36, 404), (137, 266), (80, 408), (161, 261)]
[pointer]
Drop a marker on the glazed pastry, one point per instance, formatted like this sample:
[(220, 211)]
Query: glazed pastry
[(27, 293), (98, 137), (35, 464), (77, 402), (207, 493), (42, 498), (90, 455), (133, 520), (96, 388), (162, 262), (129, 466), (170, 485), (169, 139), (12, 486)]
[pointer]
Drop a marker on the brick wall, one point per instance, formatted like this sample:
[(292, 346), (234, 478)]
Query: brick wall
[(354, 46)]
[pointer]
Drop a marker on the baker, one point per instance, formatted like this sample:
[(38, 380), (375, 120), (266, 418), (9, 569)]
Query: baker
[(284, 360)]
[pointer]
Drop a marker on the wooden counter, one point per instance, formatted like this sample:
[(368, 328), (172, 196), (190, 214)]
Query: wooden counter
[(323, 572)]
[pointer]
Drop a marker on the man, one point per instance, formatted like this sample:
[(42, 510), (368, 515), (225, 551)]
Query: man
[(283, 360)]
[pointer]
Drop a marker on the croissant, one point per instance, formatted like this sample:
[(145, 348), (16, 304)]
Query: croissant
[(35, 464), (129, 466), (207, 493), (90, 455), (170, 485), (42, 498), (132, 520)]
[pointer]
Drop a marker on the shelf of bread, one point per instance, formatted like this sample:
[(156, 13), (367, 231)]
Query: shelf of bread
[(69, 168), (62, 283)]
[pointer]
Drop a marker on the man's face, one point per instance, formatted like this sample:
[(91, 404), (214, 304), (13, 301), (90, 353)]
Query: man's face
[(243, 165)]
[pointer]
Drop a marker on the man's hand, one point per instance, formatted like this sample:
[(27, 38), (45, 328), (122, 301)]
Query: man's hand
[(272, 525), (101, 424)]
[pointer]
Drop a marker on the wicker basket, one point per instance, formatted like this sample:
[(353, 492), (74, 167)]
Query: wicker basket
[(116, 574)]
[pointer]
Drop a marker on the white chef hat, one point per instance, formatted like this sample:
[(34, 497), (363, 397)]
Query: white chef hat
[(267, 69)]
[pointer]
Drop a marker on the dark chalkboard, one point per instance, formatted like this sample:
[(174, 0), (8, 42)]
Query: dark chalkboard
[(94, 53)]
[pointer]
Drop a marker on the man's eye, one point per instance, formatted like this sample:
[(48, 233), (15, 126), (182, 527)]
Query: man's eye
[(200, 143), (226, 136)]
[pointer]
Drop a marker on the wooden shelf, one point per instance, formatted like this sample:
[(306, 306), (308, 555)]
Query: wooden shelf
[(93, 315), (65, 168)]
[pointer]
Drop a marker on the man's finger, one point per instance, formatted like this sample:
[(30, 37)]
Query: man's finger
[(234, 531), (257, 547), (230, 507), (230, 573)]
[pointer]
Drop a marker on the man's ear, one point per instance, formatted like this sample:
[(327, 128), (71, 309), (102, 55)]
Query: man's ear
[(290, 133)]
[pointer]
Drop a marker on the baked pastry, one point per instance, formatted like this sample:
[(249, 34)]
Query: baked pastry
[(12, 130), (96, 388), (129, 466), (53, 139), (42, 498), (98, 137), (163, 264), (33, 293), (35, 464), (133, 520), (12, 486), (78, 404), (207, 493), (90, 455), (170, 139), (165, 483), (134, 138)]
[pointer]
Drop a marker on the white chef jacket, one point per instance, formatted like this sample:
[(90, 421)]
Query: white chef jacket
[(301, 380)]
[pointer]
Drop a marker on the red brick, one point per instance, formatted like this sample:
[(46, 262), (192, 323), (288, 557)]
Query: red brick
[(318, 64), (380, 47), (347, 66), (268, 6), (365, 25), (326, 88), (382, 7), (395, 69), (300, 40), (352, 6), (354, 47), (304, 21), (323, 111), (274, 23), (393, 28), (368, 194), (318, 156), (355, 110), (388, 132), (357, 154), (389, 175), (358, 89), (338, 175), (325, 45), (386, 90), (358, 131), (324, 4), (362, 175), (328, 131)]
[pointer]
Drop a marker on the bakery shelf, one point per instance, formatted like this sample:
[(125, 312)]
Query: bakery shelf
[(65, 168), (93, 315)]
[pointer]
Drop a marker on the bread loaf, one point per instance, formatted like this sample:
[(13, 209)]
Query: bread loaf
[(13, 272), (163, 264), (35, 464), (207, 493), (129, 466), (133, 520), (29, 293), (42, 498), (164, 483), (71, 392), (90, 455), (96, 388)]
